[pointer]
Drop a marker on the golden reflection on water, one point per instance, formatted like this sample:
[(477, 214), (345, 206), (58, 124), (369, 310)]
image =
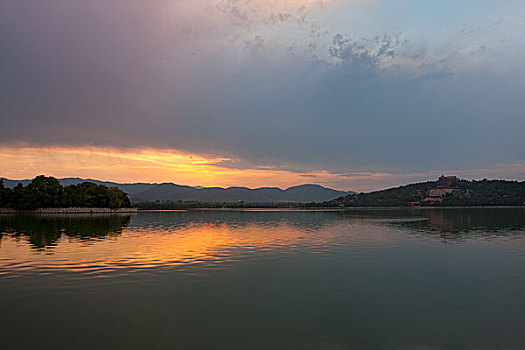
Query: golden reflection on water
[(143, 247), (98, 245)]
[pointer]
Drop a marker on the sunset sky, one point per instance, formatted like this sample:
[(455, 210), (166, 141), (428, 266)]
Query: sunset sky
[(353, 95)]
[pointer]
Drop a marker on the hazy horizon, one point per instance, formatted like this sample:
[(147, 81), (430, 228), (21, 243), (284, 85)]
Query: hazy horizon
[(240, 186)]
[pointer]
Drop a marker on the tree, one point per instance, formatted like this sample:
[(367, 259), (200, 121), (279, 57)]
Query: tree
[(88, 194), (23, 198), (4, 195), (117, 198), (47, 191)]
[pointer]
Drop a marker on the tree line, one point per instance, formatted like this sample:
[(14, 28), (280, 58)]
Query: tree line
[(47, 192)]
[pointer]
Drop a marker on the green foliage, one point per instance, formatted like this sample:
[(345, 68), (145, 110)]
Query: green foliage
[(47, 192), (477, 193), (90, 195), (490, 192), (4, 194)]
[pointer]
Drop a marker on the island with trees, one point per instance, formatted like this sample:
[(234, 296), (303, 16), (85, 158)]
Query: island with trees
[(45, 193)]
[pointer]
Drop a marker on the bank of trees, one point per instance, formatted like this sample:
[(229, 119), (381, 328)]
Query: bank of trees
[(47, 192)]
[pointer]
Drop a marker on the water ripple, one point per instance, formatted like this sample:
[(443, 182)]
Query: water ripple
[(108, 247)]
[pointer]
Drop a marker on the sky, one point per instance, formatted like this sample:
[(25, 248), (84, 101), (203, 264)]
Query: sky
[(354, 95)]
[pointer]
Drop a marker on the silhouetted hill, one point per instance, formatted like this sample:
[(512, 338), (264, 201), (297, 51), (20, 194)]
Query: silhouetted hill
[(173, 192), (300, 194), (472, 193)]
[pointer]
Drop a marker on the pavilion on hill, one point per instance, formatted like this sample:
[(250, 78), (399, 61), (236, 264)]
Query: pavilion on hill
[(446, 181)]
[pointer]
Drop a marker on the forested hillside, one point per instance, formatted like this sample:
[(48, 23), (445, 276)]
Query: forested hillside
[(477, 193)]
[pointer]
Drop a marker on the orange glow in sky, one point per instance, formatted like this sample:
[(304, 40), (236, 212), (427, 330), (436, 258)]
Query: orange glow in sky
[(143, 165), (166, 165)]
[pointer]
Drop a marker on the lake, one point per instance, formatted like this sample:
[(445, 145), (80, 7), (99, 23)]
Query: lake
[(360, 279)]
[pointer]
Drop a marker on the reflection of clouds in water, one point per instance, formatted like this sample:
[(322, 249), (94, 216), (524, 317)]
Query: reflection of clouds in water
[(167, 240), (180, 240)]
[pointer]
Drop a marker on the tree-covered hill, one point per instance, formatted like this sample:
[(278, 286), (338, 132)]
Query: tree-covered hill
[(477, 193), (47, 192)]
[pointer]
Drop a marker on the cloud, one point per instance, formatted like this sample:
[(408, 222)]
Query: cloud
[(366, 53), (272, 84)]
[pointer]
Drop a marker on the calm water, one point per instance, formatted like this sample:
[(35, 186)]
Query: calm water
[(429, 279)]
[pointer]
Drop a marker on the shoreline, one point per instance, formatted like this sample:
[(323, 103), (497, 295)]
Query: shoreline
[(71, 211), (337, 209), (109, 211), (444, 207)]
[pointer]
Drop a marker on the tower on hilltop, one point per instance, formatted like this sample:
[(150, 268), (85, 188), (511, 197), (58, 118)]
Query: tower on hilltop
[(446, 181)]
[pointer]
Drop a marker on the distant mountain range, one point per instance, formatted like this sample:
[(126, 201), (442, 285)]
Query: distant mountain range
[(141, 192)]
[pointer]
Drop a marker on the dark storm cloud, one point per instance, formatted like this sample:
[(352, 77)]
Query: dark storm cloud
[(118, 73)]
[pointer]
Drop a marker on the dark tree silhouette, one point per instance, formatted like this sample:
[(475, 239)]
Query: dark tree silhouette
[(47, 192)]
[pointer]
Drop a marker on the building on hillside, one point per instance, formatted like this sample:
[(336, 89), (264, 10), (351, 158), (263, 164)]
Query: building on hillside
[(445, 188), (446, 181), (438, 194)]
